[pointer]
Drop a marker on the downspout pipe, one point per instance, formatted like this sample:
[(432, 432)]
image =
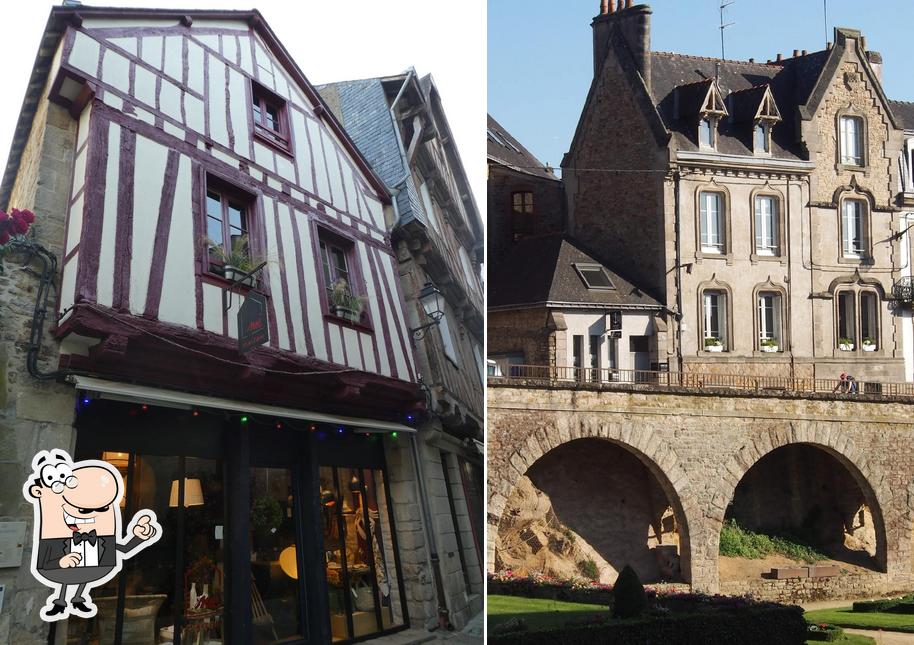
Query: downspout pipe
[(677, 177), (40, 312)]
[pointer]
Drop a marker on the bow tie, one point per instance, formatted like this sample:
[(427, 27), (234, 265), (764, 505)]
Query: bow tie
[(89, 537)]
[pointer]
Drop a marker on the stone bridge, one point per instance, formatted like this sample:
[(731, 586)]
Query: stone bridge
[(699, 446)]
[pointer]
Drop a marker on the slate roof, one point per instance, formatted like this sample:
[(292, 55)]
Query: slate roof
[(540, 270), (504, 149), (904, 111), (791, 81)]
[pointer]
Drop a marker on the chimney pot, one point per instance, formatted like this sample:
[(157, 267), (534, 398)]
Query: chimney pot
[(863, 43), (628, 4), (751, 60), (796, 52), (805, 52), (780, 57), (604, 7), (828, 45)]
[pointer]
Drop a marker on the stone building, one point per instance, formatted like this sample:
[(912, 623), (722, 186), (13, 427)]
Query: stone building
[(181, 166), (759, 200), (399, 124)]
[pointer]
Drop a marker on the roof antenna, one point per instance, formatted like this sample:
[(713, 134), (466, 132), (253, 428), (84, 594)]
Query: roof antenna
[(723, 5), (825, 7)]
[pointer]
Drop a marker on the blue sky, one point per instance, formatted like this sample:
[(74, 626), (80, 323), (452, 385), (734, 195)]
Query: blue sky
[(541, 51)]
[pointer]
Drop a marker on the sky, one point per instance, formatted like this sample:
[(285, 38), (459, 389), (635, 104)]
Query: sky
[(330, 41), (541, 51)]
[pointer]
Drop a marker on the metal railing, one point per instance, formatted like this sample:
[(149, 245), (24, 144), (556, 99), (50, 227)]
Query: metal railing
[(704, 380)]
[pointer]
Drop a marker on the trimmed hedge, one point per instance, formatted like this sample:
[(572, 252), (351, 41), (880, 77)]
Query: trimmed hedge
[(903, 605), (782, 625), (589, 596), (830, 634)]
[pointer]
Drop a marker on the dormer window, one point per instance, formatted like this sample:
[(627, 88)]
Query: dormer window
[(762, 138), (706, 132)]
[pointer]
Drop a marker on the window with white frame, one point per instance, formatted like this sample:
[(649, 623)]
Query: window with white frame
[(766, 225), (762, 140), (715, 319), (847, 319), (852, 141), (706, 133), (769, 319), (853, 212), (869, 319), (712, 222)]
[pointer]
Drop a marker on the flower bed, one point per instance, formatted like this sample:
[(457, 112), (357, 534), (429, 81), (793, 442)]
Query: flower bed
[(823, 632), (507, 583)]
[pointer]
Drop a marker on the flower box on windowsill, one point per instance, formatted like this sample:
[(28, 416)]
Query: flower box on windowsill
[(846, 347), (351, 315), (770, 349), (714, 348), (236, 275), (869, 347)]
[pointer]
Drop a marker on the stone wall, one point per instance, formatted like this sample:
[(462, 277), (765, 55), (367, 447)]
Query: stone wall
[(34, 415), (525, 331), (700, 445), (803, 590)]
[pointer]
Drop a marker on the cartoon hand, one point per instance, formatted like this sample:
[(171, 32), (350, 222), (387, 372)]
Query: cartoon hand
[(143, 529), (70, 560)]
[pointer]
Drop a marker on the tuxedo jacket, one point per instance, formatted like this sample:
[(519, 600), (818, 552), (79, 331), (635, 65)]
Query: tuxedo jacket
[(51, 550)]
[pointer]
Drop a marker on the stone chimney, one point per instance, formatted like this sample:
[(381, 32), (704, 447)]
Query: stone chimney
[(634, 23), (875, 61)]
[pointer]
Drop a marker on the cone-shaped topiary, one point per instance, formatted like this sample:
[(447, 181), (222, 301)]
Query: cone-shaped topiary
[(628, 595)]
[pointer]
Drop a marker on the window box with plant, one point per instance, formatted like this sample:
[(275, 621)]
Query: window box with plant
[(713, 344), (845, 344), (344, 304), (236, 263), (869, 344), (769, 345)]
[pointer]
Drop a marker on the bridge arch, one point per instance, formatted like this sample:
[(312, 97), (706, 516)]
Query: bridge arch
[(838, 448), (639, 442)]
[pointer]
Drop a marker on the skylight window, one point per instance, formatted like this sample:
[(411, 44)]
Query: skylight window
[(594, 276), (498, 138)]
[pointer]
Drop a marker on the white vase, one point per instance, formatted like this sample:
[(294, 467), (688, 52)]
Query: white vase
[(192, 598)]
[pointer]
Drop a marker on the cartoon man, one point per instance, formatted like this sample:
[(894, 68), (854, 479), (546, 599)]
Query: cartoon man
[(77, 536)]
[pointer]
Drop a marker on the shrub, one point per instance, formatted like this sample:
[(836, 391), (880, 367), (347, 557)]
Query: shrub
[(628, 595), (589, 569), (903, 605), (765, 625), (735, 541)]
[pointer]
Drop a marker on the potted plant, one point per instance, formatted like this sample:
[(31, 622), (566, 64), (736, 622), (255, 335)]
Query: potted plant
[(343, 303), (237, 261), (869, 344), (769, 345), (713, 344), (845, 344)]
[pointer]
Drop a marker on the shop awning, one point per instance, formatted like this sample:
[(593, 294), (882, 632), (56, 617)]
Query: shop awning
[(142, 394)]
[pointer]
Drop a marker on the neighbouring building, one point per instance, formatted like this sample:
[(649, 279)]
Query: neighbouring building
[(761, 201), (524, 197), (398, 123), (182, 167)]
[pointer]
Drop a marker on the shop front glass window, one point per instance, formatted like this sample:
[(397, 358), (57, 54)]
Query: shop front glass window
[(361, 567), (275, 601)]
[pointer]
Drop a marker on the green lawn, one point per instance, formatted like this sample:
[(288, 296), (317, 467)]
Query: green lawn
[(538, 613), (876, 620)]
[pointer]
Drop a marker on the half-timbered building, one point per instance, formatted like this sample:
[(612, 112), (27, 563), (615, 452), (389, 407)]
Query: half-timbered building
[(184, 171), (399, 123)]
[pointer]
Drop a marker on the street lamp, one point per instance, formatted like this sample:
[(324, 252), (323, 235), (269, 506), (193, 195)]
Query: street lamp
[(433, 304)]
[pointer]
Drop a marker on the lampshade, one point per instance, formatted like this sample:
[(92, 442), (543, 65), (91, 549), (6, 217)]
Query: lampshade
[(288, 562), (431, 300), (193, 493), (117, 459)]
